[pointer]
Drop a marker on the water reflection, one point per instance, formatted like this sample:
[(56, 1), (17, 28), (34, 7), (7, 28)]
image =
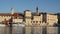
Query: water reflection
[(10, 30), (29, 30), (44, 30)]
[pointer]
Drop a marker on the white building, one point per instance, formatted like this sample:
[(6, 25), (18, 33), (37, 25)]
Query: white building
[(30, 18), (51, 19)]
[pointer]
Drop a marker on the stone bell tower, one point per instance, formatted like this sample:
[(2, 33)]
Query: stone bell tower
[(12, 10), (37, 12)]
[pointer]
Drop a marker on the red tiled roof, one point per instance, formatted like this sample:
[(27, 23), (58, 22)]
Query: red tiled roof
[(14, 15), (8, 14), (5, 14)]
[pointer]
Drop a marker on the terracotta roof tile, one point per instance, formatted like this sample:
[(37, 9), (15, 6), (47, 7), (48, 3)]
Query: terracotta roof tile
[(14, 15)]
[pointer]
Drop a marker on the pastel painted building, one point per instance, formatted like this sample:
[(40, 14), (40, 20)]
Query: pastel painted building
[(51, 19), (17, 17), (37, 20), (30, 18)]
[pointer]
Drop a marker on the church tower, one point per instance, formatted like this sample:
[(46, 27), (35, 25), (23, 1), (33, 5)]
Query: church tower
[(12, 10), (37, 12)]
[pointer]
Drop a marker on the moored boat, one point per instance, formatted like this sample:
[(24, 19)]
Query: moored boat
[(2, 25)]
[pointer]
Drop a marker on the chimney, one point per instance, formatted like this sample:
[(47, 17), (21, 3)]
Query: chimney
[(12, 10)]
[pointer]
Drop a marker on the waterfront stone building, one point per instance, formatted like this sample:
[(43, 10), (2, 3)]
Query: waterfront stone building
[(30, 18), (51, 19)]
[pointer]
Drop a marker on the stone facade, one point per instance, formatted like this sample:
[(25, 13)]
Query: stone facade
[(30, 18), (51, 19)]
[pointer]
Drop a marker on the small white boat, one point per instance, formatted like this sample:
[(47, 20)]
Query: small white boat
[(18, 25), (2, 25)]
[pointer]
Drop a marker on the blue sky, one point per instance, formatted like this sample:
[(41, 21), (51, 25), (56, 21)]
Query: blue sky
[(50, 6)]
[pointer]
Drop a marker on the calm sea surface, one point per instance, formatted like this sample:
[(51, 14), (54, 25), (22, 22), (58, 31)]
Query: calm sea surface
[(29, 30)]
